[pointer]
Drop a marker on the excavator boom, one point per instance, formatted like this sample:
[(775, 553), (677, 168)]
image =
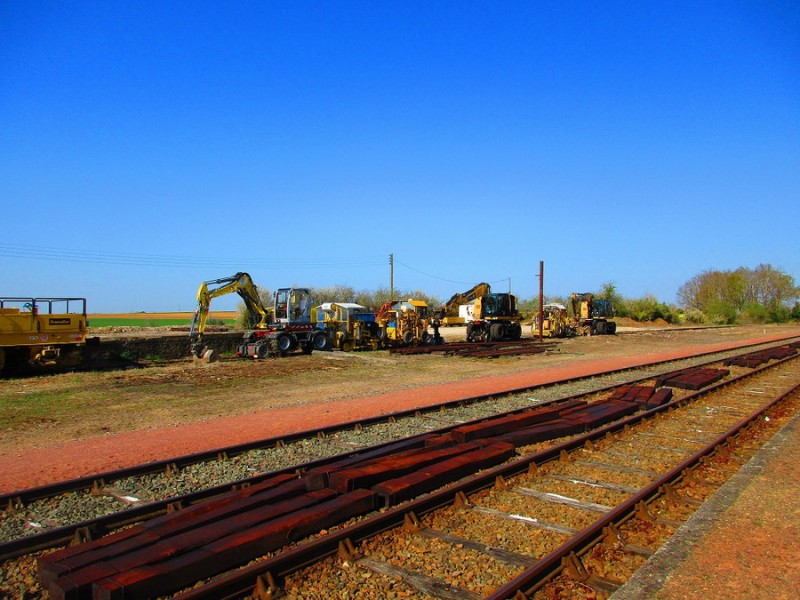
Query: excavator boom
[(241, 284)]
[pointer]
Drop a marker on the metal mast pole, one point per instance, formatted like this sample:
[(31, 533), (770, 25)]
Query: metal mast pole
[(541, 298)]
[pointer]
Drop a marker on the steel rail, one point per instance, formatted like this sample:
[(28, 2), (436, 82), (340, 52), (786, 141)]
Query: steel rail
[(245, 581), (99, 526), (546, 568), (29, 495)]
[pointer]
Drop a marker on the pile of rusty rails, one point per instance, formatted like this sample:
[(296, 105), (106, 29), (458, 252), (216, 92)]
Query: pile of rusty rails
[(761, 357), (65, 529), (481, 349), (358, 496)]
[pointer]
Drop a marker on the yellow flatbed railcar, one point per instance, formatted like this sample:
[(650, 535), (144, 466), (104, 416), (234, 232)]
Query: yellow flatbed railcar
[(42, 331)]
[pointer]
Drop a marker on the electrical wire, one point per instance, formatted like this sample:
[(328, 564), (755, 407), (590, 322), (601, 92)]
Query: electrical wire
[(443, 278), (20, 251)]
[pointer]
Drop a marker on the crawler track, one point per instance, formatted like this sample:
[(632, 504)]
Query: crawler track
[(340, 490)]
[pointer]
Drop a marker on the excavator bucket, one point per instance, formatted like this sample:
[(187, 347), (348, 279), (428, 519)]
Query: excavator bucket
[(204, 355)]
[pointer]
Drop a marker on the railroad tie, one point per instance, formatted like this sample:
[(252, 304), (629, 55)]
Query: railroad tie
[(496, 426), (167, 572), (399, 489)]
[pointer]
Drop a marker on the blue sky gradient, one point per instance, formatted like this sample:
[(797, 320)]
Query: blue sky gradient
[(148, 146)]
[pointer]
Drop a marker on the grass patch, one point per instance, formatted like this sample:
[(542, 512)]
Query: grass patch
[(127, 322)]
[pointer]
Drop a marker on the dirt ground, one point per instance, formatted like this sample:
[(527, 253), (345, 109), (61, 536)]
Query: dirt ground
[(99, 421)]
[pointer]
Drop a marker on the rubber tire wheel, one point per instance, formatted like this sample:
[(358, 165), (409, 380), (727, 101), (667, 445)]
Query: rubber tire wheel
[(600, 327), (320, 341), (470, 329), (612, 328), (496, 332), (284, 344), (516, 331), (262, 350), (408, 338), (381, 335)]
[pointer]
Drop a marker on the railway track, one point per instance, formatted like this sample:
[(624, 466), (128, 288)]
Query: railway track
[(573, 520), (118, 494), (43, 517)]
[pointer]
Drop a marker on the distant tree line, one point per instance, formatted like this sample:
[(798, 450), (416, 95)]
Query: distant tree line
[(761, 295)]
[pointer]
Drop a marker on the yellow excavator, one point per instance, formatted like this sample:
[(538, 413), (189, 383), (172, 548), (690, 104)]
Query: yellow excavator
[(241, 284), (591, 316), (449, 313), (494, 316)]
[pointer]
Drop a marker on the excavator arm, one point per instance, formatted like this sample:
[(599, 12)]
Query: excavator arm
[(241, 284), (450, 308)]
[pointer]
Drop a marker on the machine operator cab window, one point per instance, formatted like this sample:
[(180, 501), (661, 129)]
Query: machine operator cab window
[(292, 305), (498, 305)]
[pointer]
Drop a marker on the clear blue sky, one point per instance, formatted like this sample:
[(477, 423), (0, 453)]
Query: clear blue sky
[(148, 146)]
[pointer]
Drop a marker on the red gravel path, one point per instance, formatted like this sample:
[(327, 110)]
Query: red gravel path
[(96, 455)]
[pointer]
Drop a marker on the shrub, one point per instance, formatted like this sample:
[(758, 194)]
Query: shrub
[(755, 313), (721, 313), (695, 316), (650, 309)]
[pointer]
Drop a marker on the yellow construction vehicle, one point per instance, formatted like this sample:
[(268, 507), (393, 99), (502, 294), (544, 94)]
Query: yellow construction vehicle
[(42, 332), (452, 312), (291, 328), (241, 284), (349, 326), (403, 323), (276, 331), (495, 318), (555, 322), (591, 315)]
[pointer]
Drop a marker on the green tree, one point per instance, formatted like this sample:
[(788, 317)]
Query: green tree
[(751, 293), (609, 291)]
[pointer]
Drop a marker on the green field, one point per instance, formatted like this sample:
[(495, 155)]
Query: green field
[(144, 322)]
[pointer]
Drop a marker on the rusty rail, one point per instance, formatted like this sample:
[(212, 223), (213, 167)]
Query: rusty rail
[(112, 573)]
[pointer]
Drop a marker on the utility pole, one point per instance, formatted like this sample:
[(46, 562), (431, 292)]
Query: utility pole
[(541, 298), (391, 277)]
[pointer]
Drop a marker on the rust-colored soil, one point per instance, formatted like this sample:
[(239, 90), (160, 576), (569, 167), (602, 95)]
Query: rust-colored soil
[(180, 408), (753, 550)]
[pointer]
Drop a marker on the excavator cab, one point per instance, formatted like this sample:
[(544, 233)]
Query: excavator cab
[(293, 305)]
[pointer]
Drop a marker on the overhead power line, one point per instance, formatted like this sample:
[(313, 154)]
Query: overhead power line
[(443, 278), (20, 251)]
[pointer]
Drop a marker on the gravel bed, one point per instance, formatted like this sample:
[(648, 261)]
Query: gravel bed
[(458, 567), (478, 573), (81, 506)]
